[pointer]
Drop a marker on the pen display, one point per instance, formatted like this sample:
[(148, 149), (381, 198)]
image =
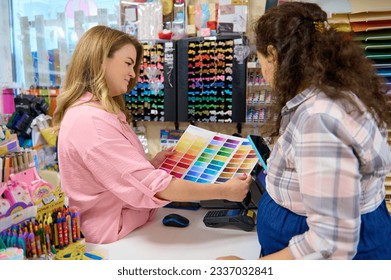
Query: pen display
[(146, 100), (210, 80)]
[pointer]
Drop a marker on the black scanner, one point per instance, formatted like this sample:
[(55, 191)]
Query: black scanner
[(241, 218)]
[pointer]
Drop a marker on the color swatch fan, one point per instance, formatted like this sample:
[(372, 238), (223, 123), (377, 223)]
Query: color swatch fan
[(204, 156)]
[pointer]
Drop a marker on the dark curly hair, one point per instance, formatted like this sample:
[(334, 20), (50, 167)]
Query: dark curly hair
[(326, 59)]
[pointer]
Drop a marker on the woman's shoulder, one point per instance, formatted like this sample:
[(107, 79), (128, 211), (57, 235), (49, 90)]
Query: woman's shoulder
[(89, 112), (324, 112), (89, 120), (321, 103)]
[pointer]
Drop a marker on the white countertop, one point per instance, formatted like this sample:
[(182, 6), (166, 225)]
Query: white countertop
[(154, 241)]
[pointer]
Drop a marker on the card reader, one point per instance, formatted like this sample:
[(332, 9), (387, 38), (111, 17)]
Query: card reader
[(241, 218)]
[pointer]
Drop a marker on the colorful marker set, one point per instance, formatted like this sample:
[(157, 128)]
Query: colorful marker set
[(257, 114), (204, 156), (42, 237)]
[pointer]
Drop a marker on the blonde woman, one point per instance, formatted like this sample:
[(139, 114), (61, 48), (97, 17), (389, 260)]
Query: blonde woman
[(104, 170)]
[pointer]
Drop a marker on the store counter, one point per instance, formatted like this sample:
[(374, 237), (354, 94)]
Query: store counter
[(154, 241)]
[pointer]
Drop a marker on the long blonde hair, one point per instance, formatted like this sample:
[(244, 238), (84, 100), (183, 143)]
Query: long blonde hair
[(86, 71)]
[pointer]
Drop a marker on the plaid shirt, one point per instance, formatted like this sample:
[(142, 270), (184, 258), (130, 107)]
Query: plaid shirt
[(330, 166)]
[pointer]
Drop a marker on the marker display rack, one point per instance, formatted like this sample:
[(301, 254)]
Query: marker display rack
[(259, 95), (211, 81), (154, 96)]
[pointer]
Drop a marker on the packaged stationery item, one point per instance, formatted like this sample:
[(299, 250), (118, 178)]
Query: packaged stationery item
[(26, 195), (14, 196), (12, 253), (37, 187)]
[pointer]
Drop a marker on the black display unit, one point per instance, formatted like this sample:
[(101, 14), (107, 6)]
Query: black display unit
[(154, 96), (211, 82)]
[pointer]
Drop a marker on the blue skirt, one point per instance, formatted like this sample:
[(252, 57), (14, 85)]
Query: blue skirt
[(276, 225)]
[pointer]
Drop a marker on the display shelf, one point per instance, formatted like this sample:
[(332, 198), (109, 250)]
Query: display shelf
[(258, 95), (211, 80), (154, 96)]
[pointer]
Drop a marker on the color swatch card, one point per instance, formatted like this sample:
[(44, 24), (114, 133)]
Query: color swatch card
[(204, 156)]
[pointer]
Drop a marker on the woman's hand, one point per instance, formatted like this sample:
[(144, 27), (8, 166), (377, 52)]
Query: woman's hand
[(161, 156), (236, 189)]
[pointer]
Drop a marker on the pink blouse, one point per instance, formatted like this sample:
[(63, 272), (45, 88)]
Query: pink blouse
[(105, 173)]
